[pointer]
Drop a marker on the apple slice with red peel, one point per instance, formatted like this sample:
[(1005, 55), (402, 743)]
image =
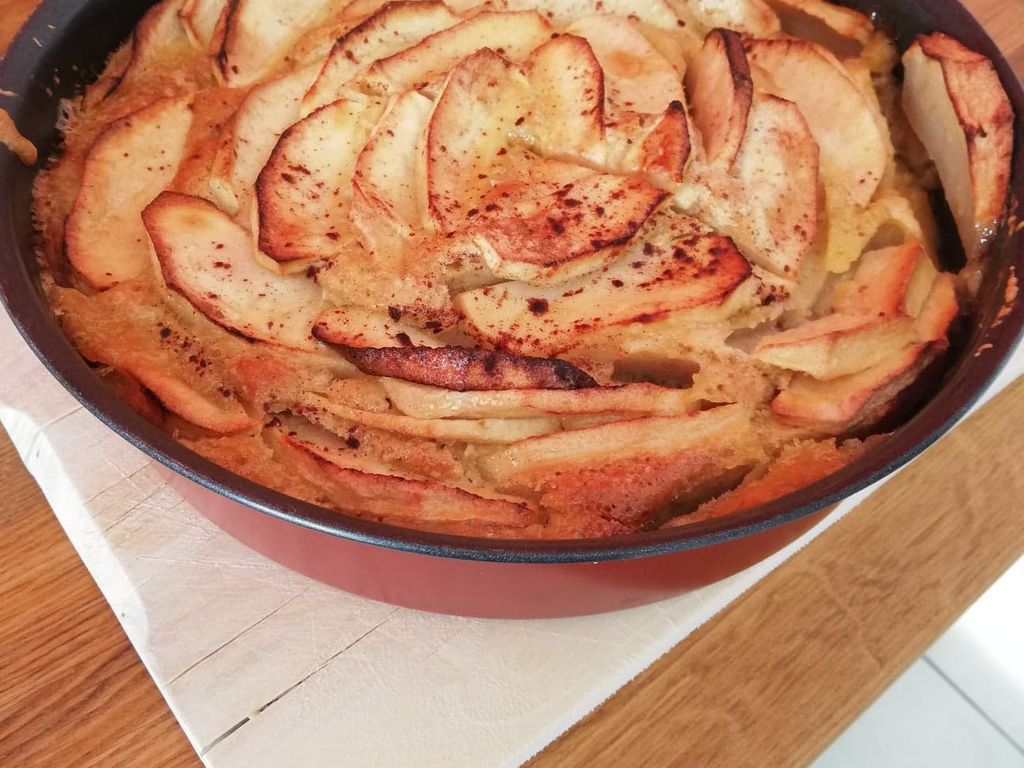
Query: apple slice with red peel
[(513, 34), (258, 34), (387, 202), (842, 30), (358, 327), (636, 77), (853, 402), (853, 151), (674, 268), (837, 345), (718, 82), (392, 29), (956, 105), (250, 135), (304, 191), (208, 259), (130, 163)]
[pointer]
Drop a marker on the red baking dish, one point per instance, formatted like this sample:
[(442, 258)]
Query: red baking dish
[(66, 41)]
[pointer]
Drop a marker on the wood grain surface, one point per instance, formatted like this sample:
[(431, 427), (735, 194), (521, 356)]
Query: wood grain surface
[(769, 682)]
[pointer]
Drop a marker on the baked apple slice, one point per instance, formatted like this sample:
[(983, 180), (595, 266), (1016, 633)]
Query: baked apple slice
[(636, 77), (258, 34), (838, 345), (842, 30), (520, 466), (549, 234), (200, 18), (718, 82), (778, 166), (423, 402), (392, 29), (656, 13), (208, 259), (880, 283), (490, 431), (358, 327), (387, 198), (161, 56), (406, 501), (250, 135), (853, 151), (853, 402), (462, 368), (750, 17), (130, 163), (567, 110), (515, 34), (957, 107), (674, 267), (304, 191)]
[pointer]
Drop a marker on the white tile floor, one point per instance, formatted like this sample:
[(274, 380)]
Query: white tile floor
[(960, 705)]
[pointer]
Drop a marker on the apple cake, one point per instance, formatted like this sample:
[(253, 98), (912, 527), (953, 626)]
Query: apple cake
[(526, 268)]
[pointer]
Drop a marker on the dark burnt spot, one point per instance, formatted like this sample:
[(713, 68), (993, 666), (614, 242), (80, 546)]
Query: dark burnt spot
[(332, 236), (352, 442), (300, 169), (599, 210), (165, 332), (403, 339), (571, 202), (537, 306), (312, 271), (648, 249), (556, 226), (502, 151), (221, 265), (395, 313), (617, 283), (287, 178), (472, 213), (637, 265)]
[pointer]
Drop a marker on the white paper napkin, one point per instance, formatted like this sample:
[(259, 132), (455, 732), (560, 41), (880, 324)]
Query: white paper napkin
[(264, 667)]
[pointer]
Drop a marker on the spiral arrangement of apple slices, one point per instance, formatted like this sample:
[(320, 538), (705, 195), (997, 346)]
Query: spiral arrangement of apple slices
[(525, 268)]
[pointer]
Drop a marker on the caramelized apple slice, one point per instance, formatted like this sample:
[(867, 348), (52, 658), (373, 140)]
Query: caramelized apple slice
[(463, 368), (842, 30), (838, 345), (673, 268), (516, 34), (476, 431), (541, 234), (250, 135), (129, 164), (656, 13), (957, 107), (258, 34), (303, 192), (392, 29), (854, 153), (636, 77), (720, 88), (358, 327), (386, 187), (424, 402), (208, 259)]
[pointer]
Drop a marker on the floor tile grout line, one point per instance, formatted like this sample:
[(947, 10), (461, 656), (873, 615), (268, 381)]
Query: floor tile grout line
[(974, 705)]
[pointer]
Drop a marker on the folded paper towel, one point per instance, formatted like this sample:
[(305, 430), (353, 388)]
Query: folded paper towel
[(263, 667)]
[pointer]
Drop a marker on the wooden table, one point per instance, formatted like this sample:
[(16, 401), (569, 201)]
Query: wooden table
[(769, 682)]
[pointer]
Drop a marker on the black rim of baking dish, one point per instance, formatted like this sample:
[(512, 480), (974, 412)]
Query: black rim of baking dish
[(44, 63)]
